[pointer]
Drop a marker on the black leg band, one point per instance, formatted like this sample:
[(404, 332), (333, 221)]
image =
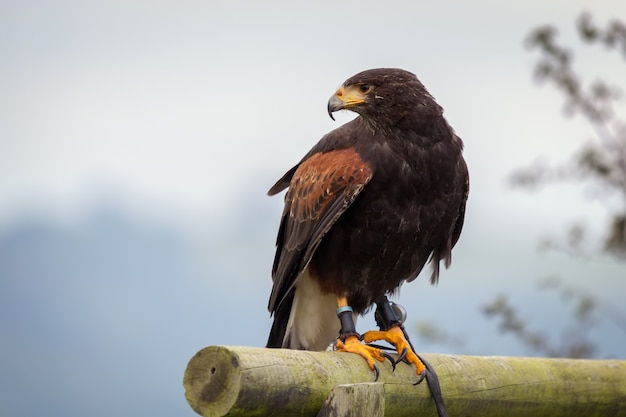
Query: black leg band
[(347, 322), (385, 315)]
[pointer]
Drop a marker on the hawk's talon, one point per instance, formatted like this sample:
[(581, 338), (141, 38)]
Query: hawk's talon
[(390, 358), (377, 346), (371, 354), (402, 356), (420, 378), (395, 336), (377, 372)]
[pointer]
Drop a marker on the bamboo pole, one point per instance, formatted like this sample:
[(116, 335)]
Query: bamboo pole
[(245, 381)]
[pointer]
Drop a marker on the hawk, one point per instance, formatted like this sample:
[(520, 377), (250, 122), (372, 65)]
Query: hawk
[(366, 209)]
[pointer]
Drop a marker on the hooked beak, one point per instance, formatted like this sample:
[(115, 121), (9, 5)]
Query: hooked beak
[(345, 98), (334, 104)]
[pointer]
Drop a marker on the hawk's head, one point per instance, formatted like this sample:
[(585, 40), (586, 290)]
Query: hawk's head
[(383, 96)]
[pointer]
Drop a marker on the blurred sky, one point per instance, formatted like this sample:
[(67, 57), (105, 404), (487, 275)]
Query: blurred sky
[(138, 139)]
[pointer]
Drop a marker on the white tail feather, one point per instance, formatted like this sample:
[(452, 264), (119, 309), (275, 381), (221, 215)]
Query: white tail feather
[(313, 322)]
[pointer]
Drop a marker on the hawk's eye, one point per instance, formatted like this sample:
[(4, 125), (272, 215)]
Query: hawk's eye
[(365, 88)]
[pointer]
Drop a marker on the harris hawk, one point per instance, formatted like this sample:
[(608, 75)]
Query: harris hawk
[(366, 208)]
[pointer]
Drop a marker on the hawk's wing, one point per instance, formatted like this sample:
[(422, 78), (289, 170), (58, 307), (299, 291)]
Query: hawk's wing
[(321, 188)]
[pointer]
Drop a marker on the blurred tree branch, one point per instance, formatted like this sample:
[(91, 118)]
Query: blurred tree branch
[(601, 160), (599, 163), (428, 332), (576, 342)]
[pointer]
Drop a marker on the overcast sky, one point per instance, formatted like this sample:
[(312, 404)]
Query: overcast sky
[(178, 106), (175, 110), (184, 113)]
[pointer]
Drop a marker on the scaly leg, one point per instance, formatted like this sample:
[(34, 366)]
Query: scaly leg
[(392, 331), (349, 340), (388, 314)]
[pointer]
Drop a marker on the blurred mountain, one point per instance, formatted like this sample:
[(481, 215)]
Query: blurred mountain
[(100, 318)]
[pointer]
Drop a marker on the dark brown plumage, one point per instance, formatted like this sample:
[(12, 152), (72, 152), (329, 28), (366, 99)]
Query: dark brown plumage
[(367, 207)]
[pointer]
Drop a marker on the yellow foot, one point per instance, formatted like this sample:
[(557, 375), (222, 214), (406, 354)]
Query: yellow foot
[(395, 336), (369, 353)]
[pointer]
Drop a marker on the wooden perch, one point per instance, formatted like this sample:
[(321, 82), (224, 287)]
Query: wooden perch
[(244, 381)]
